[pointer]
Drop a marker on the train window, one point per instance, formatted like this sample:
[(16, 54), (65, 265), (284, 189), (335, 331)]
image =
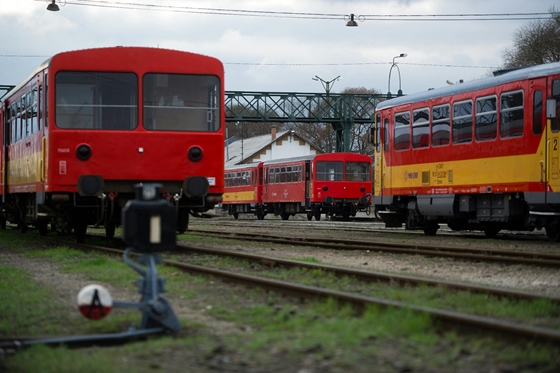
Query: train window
[(556, 87), (420, 128), (331, 171), (277, 173), (386, 134), (402, 131), (283, 174), (24, 118), (96, 100), (29, 115), (14, 124), (46, 100), (357, 171), (271, 175), (34, 113), (555, 122), (180, 102), (288, 174), (40, 107), (511, 114), (537, 112), (377, 140), (486, 118), (441, 126), (462, 122)]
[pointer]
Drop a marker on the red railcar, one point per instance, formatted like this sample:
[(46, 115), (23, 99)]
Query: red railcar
[(332, 184), (481, 155), (243, 189), (88, 125)]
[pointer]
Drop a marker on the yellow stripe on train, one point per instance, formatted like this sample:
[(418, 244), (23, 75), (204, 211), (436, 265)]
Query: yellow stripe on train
[(499, 170), (25, 170), (239, 196)]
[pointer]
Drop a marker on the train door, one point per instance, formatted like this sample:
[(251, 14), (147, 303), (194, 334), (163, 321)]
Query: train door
[(3, 130), (308, 183), (377, 158), (553, 144), (382, 157)]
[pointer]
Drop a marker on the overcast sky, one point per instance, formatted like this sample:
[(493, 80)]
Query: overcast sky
[(280, 54)]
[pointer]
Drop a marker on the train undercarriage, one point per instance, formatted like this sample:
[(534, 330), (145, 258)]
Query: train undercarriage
[(489, 213), (329, 208), (69, 213)]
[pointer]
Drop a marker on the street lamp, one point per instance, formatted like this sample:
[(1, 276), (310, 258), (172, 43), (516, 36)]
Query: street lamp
[(399, 93), (53, 7), (326, 85)]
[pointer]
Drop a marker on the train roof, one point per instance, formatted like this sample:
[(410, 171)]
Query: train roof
[(327, 156), (242, 166), (501, 77), (41, 67)]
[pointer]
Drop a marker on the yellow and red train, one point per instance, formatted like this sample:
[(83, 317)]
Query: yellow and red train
[(331, 184), (88, 125), (482, 155)]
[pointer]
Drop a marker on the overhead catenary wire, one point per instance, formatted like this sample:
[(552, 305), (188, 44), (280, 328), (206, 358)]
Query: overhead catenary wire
[(299, 64), (307, 15)]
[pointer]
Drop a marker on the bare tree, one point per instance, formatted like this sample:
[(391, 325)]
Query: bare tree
[(535, 44)]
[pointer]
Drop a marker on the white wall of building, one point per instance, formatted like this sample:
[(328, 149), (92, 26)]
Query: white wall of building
[(288, 148)]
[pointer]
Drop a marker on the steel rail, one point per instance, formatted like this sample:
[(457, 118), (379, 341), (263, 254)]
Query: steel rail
[(497, 325), (369, 275), (501, 256)]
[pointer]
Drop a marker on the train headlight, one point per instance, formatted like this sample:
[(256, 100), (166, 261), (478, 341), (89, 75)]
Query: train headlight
[(195, 154), (363, 189), (325, 188), (83, 152)]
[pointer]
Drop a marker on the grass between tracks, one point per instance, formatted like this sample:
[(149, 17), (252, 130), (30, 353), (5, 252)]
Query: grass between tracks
[(263, 333)]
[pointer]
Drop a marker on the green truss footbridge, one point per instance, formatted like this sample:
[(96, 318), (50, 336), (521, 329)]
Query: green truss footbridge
[(342, 111)]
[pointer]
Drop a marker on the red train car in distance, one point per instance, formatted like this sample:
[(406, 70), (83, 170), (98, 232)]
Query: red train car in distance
[(88, 125), (332, 184)]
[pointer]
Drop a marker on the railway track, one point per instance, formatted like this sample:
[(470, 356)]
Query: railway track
[(359, 301), (364, 226), (488, 255)]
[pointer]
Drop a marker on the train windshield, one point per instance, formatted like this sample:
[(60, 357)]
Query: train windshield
[(357, 171), (96, 100), (179, 102), (330, 171)]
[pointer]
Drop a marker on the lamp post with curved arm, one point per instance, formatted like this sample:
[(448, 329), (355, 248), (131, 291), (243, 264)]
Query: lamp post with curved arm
[(399, 92)]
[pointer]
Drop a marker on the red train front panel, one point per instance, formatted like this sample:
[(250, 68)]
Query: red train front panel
[(114, 117), (342, 177)]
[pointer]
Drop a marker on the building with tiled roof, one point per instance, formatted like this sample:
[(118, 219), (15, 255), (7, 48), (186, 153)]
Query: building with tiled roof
[(284, 144)]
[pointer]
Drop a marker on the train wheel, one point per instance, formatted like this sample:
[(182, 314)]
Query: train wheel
[(22, 227), (317, 216), (309, 217), (285, 216), (260, 215), (346, 216), (236, 215), (110, 230), (43, 226), (80, 229), (491, 232), (552, 234), (431, 229), (2, 223)]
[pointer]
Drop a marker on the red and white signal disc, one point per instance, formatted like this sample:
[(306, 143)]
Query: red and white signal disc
[(94, 302)]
